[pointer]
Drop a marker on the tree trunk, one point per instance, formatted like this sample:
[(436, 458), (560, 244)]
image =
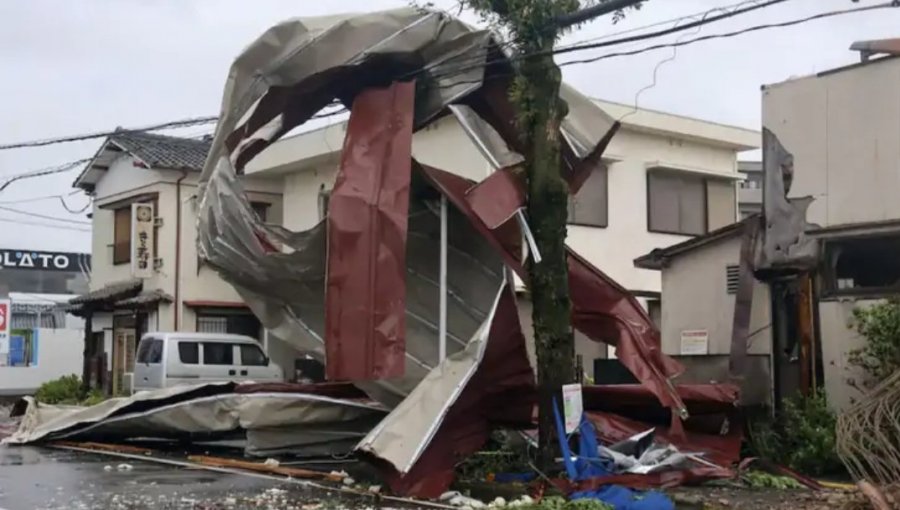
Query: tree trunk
[(542, 111)]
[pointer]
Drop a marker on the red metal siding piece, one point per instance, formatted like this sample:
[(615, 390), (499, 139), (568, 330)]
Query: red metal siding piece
[(365, 298), (601, 308), (501, 393)]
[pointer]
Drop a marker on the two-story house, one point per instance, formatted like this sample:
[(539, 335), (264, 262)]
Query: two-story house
[(667, 178), (838, 133), (146, 275)]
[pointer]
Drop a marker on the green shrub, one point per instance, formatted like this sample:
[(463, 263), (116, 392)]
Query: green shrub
[(802, 437), (879, 324), (67, 391)]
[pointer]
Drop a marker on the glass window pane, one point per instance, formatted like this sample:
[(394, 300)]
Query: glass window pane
[(692, 205), (663, 209), (189, 353), (252, 355), (215, 353), (591, 203)]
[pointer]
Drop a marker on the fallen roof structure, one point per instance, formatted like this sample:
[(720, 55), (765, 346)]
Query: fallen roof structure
[(363, 289)]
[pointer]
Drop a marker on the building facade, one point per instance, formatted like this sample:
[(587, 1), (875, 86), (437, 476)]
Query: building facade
[(750, 188), (39, 341), (835, 145), (147, 275), (842, 128), (665, 179)]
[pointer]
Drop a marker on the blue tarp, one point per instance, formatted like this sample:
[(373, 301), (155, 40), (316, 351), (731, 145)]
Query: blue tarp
[(589, 464)]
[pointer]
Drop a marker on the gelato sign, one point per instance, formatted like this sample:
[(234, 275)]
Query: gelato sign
[(42, 260)]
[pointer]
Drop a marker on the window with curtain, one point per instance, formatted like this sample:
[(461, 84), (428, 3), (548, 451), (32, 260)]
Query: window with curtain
[(590, 206), (676, 203), (122, 235)]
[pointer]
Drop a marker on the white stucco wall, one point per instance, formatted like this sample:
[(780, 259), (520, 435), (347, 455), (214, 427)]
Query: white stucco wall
[(695, 297), (842, 129), (59, 354)]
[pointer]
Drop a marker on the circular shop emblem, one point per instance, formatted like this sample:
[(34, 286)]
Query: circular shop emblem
[(143, 214)]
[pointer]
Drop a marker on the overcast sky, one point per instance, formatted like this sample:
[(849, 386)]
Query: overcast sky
[(69, 67)]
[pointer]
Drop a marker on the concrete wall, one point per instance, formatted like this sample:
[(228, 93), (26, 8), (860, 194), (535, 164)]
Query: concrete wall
[(839, 338), (843, 132), (59, 354)]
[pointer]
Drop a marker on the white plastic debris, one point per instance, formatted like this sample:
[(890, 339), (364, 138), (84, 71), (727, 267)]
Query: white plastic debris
[(272, 463), (454, 498), (230, 501), (274, 491), (107, 468), (523, 501), (498, 503), (375, 489), (349, 481), (124, 467)]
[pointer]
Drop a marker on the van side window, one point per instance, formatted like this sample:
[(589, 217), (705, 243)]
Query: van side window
[(189, 353), (252, 355), (215, 353), (150, 351)]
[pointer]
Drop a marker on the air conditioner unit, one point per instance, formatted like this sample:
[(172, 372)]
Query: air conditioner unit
[(128, 383)]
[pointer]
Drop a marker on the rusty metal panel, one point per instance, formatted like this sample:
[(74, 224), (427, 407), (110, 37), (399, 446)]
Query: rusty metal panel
[(365, 297)]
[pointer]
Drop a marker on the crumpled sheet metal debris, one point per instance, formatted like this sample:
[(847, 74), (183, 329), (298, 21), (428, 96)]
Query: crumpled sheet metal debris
[(300, 66), (271, 421)]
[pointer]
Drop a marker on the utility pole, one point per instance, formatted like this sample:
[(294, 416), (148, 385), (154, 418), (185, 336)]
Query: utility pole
[(535, 25)]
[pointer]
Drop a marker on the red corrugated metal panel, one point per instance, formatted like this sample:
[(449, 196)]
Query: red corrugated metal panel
[(365, 299)]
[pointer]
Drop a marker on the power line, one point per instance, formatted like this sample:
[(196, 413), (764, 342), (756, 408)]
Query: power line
[(65, 167), (43, 216), (46, 225), (38, 199), (175, 124), (735, 33)]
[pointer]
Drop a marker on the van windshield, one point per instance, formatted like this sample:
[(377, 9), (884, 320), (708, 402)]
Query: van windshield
[(150, 351), (252, 355)]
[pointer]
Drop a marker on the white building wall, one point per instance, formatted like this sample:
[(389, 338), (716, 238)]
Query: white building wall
[(59, 354), (202, 284), (842, 129)]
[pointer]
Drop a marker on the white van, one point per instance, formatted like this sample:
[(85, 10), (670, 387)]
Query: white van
[(170, 359)]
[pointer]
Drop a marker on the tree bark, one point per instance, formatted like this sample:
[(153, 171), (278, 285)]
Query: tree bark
[(542, 112)]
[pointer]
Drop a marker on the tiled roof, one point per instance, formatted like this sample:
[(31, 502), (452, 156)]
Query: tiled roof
[(111, 292), (160, 151)]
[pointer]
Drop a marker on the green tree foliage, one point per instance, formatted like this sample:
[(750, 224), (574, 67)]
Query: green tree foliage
[(879, 324)]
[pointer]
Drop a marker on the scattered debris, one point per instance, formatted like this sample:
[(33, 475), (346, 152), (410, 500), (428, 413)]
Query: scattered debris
[(124, 467)]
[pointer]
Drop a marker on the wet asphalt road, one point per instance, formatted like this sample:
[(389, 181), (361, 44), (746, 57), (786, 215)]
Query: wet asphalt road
[(33, 478)]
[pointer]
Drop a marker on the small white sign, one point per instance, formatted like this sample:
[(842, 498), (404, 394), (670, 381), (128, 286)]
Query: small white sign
[(5, 319), (694, 342), (142, 240), (573, 407)]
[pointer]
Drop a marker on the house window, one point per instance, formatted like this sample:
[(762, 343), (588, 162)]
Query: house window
[(590, 205), (261, 209), (654, 310), (688, 204), (231, 321), (863, 266), (732, 278), (122, 235)]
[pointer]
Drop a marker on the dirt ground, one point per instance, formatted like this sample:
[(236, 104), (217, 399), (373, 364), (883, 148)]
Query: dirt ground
[(735, 498)]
